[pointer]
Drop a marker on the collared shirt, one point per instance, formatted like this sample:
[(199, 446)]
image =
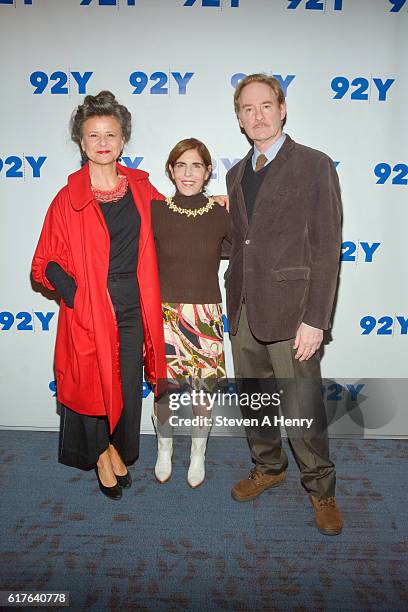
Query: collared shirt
[(270, 153)]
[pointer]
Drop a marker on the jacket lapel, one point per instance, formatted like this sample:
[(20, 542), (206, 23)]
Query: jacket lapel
[(237, 192)]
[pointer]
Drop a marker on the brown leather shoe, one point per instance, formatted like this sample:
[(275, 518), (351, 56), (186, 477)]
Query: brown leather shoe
[(328, 516), (256, 483)]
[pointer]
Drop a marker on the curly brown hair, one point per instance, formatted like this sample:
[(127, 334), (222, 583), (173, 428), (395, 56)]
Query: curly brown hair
[(103, 104)]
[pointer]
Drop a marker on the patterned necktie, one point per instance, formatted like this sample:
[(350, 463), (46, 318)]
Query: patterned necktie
[(260, 162)]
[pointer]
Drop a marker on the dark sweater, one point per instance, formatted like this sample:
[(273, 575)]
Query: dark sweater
[(189, 250), (251, 183), (123, 223)]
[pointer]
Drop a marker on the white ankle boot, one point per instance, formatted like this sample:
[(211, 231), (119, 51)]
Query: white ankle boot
[(162, 468), (196, 471)]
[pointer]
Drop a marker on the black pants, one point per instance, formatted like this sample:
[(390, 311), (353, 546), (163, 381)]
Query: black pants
[(83, 438)]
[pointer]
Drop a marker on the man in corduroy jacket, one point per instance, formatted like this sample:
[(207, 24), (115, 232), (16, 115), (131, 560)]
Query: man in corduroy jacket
[(281, 282)]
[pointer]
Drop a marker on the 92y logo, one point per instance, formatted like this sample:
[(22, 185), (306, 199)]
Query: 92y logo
[(60, 82), (25, 321), (139, 81), (83, 2), (212, 3), (146, 388), (130, 162), (107, 2), (385, 326), (337, 5), (383, 172), (222, 163), (336, 392), (17, 167), (284, 81), (360, 251), (359, 88), (315, 5)]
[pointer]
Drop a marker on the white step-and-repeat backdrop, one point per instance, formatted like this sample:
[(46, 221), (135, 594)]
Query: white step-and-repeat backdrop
[(174, 64)]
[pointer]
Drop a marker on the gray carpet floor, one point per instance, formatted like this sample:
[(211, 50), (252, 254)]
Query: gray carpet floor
[(168, 547)]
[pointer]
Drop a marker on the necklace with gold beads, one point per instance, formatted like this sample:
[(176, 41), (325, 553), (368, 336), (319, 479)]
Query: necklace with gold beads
[(190, 212)]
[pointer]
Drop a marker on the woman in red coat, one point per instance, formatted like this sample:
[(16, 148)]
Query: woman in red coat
[(97, 249)]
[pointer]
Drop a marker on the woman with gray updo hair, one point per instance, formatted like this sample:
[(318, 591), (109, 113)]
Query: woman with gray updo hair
[(97, 250), (104, 104)]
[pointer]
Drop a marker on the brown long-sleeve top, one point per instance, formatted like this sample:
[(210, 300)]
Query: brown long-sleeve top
[(189, 249)]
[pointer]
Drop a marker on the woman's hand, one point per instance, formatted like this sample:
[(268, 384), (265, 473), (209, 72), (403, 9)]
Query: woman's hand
[(222, 200)]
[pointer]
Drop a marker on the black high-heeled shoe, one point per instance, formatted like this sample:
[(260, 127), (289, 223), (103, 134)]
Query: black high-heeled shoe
[(114, 492), (124, 481)]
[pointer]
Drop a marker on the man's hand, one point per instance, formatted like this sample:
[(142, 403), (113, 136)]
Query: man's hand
[(222, 200), (308, 340)]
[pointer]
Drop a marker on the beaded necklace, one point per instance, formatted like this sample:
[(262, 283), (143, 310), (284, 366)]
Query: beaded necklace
[(190, 212), (113, 195)]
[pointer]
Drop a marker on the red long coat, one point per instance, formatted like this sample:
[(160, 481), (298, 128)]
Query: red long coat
[(87, 345)]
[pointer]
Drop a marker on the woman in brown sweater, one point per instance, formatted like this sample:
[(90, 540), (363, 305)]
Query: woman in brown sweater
[(189, 229)]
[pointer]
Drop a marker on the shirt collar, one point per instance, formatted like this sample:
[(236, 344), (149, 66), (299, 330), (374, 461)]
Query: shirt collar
[(270, 153)]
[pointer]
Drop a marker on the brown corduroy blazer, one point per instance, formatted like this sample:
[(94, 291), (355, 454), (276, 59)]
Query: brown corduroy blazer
[(285, 263)]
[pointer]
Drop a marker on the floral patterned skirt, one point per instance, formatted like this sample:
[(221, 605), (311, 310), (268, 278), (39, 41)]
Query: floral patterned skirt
[(193, 334)]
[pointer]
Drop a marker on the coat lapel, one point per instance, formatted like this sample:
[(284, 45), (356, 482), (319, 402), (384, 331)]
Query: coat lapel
[(237, 192), (79, 187)]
